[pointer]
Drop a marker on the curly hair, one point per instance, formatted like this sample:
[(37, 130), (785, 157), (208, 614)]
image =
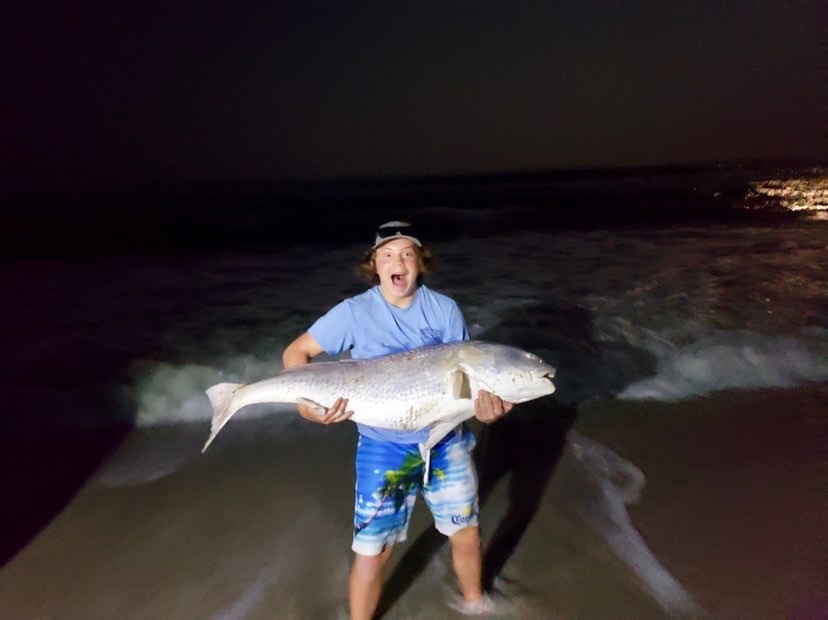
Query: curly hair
[(366, 270)]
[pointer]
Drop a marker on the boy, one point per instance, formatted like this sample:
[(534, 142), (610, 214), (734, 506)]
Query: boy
[(397, 314)]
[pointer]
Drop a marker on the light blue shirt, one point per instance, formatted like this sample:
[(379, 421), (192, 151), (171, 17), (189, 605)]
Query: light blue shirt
[(369, 326)]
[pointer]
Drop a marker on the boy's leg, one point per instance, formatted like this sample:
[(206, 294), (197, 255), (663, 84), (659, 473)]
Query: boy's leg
[(366, 583), (467, 558), (451, 494), (388, 476)]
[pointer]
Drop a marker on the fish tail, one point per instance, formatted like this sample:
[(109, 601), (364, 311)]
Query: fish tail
[(221, 398)]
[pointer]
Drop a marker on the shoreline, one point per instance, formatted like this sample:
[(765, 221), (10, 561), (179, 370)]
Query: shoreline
[(731, 507)]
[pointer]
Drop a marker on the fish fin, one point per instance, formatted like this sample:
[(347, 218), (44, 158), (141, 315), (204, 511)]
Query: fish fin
[(437, 432), (319, 409), (221, 397), (460, 385)]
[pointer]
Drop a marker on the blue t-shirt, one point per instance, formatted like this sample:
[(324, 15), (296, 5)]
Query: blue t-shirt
[(369, 326)]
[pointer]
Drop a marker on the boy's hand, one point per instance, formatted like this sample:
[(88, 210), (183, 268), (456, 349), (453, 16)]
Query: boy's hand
[(489, 407), (338, 412)]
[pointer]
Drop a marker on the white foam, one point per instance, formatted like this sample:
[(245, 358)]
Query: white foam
[(171, 394), (720, 361), (611, 485)]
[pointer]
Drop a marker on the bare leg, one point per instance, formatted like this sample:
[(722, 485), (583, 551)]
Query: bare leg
[(468, 561), (366, 583)]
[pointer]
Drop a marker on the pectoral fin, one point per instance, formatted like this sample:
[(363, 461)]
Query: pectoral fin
[(460, 385)]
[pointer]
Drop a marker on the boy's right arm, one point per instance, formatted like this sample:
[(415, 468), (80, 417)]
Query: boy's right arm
[(301, 351)]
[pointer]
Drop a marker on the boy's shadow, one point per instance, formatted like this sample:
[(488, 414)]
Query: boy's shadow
[(527, 444)]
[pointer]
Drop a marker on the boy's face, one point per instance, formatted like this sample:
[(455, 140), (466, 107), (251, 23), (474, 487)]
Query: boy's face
[(398, 267)]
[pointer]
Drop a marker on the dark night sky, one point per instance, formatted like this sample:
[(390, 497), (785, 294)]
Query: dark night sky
[(115, 92)]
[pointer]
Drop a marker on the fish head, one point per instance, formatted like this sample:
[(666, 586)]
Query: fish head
[(513, 374)]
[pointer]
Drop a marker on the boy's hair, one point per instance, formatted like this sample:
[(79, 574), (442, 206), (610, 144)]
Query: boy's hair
[(366, 270)]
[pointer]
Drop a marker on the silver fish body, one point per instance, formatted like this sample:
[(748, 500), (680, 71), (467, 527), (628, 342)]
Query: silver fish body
[(427, 388)]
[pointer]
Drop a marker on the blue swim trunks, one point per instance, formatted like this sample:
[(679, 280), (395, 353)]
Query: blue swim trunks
[(388, 476)]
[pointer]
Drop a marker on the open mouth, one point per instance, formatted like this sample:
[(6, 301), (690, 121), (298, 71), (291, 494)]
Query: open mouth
[(397, 279)]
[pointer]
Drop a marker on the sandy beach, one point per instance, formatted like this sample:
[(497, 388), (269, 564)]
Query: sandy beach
[(732, 509)]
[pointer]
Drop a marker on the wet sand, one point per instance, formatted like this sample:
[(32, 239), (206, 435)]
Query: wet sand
[(732, 508), (736, 499)]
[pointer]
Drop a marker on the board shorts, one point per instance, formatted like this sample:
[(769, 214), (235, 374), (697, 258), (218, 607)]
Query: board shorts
[(388, 477)]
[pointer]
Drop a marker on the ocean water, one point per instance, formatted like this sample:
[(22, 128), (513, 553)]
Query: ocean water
[(645, 308)]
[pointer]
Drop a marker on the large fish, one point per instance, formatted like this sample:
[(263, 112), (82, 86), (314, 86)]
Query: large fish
[(427, 388)]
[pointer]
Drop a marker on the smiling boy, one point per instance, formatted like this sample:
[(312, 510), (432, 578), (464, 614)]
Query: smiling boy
[(400, 313)]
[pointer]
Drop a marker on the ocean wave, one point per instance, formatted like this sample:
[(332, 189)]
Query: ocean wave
[(741, 360), (174, 394)]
